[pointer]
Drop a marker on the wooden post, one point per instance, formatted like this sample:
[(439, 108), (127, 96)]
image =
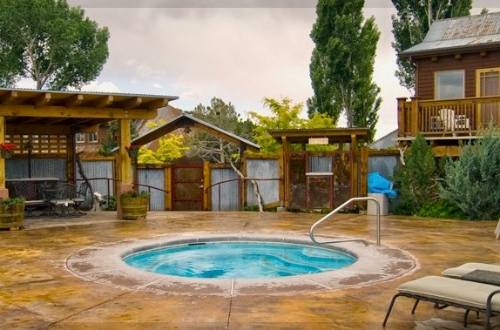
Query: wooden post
[(286, 179), (124, 163), (4, 192), (70, 158), (282, 177), (354, 162), (401, 116), (168, 188), (414, 116), (206, 185), (364, 171)]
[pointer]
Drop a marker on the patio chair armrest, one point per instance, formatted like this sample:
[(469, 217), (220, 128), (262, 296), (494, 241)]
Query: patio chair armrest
[(489, 301)]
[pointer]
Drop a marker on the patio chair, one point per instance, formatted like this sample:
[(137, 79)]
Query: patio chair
[(445, 292), (31, 194), (462, 271), (61, 199)]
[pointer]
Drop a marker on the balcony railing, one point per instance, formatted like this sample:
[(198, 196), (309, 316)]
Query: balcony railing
[(447, 117)]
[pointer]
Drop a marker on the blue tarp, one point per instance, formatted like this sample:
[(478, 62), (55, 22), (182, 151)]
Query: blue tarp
[(380, 185)]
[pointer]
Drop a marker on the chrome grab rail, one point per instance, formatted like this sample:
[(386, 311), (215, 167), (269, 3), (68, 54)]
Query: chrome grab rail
[(323, 219)]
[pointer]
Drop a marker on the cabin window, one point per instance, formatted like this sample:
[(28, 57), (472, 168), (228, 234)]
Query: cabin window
[(80, 137), (93, 137), (450, 84)]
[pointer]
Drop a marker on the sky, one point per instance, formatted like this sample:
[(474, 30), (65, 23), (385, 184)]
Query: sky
[(239, 50)]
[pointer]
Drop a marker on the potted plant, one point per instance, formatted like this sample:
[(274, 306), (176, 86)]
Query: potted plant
[(134, 205), (12, 213), (7, 150)]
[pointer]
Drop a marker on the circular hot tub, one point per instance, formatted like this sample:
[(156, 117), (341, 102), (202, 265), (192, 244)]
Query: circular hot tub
[(239, 259), (238, 264)]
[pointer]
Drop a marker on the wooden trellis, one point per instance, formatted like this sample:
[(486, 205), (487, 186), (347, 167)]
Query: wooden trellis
[(39, 144)]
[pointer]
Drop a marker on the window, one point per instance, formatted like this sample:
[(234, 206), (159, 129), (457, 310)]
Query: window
[(93, 137), (449, 85), (80, 137)]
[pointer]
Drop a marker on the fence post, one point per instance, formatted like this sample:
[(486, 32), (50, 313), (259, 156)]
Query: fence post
[(401, 116)]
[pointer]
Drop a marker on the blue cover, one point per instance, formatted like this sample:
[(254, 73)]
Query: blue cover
[(380, 185)]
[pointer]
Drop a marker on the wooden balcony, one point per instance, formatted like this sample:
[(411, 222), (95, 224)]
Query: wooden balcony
[(447, 118)]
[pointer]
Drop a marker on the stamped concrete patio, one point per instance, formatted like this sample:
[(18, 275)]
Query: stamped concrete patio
[(37, 291)]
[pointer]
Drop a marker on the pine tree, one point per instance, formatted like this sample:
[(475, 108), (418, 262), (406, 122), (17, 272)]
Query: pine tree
[(342, 63), (411, 23)]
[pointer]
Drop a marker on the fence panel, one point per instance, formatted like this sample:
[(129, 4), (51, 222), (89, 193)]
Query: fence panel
[(385, 165), (99, 169), (50, 167), (154, 177), (269, 189), (225, 196)]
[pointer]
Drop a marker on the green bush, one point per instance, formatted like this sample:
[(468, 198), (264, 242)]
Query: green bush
[(416, 180), (472, 183), (441, 209)]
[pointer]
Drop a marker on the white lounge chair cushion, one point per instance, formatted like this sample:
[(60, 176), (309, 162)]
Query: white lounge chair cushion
[(459, 272), (454, 291)]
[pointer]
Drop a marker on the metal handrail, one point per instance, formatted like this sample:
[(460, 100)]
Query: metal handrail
[(323, 219)]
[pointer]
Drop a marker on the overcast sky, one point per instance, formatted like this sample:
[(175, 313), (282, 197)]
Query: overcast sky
[(240, 54)]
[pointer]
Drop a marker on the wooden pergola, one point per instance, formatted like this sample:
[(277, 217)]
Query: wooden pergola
[(352, 137), (49, 120)]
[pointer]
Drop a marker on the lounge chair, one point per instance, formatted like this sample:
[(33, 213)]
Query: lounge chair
[(462, 271), (444, 292)]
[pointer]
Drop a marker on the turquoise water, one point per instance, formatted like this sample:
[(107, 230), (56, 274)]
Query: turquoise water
[(239, 259)]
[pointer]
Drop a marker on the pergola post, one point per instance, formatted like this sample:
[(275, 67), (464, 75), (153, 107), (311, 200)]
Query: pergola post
[(124, 162), (285, 170), (71, 158), (4, 192)]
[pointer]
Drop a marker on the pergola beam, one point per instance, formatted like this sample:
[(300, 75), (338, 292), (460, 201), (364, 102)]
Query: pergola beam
[(75, 112), (104, 101), (10, 98), (131, 103), (42, 100), (75, 101)]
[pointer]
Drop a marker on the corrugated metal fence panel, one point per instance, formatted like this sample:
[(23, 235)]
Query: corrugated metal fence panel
[(320, 164), (99, 169), (385, 165), (54, 168), (269, 189), (156, 178), (229, 192)]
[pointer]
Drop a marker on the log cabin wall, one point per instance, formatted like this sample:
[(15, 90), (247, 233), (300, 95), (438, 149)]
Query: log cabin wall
[(470, 62)]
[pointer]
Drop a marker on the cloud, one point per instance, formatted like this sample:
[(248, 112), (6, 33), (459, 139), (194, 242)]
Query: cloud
[(104, 86)]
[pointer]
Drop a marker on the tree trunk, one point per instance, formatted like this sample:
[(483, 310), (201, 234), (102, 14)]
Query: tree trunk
[(255, 186)]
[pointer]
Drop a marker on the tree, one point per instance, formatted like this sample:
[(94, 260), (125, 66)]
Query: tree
[(416, 180), (342, 63), (411, 23), (224, 116), (284, 115), (50, 42), (472, 182)]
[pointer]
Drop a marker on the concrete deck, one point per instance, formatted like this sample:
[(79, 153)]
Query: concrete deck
[(37, 291)]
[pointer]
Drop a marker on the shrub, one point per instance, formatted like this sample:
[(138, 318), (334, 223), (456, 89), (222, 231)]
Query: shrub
[(441, 209), (416, 179), (472, 183)]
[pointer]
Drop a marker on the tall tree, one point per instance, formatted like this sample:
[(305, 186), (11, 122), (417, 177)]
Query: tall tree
[(411, 23), (50, 42), (222, 115), (342, 63)]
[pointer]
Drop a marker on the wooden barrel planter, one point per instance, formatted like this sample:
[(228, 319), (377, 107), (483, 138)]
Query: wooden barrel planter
[(134, 206), (12, 214)]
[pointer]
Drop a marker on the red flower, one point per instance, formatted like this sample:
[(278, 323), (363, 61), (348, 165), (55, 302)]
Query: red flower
[(7, 147)]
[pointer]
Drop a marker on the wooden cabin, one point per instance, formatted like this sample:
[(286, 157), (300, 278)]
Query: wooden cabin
[(457, 88)]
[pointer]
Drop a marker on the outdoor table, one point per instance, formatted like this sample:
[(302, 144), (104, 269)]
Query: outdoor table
[(30, 188)]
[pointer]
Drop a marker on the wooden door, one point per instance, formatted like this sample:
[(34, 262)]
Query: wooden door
[(488, 84), (187, 187)]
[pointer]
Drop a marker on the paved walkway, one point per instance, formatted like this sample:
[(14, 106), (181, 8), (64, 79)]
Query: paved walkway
[(36, 290)]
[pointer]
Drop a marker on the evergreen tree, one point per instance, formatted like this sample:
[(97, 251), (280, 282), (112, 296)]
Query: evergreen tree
[(416, 180), (411, 23), (342, 62), (472, 183)]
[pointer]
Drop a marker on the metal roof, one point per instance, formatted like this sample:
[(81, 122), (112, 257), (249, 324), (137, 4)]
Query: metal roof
[(460, 33), (185, 120)]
